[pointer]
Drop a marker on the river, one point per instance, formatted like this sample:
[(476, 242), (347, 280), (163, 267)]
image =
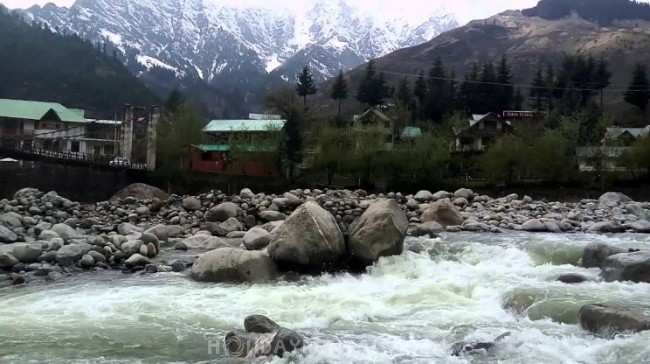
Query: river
[(406, 309)]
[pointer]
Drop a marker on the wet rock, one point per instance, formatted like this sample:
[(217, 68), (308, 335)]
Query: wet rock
[(469, 347), (235, 266), (87, 261), (261, 338), (162, 232), (633, 267), (595, 254), (19, 279), (26, 253), (640, 226), (257, 239), (272, 216), (136, 260), (191, 203), (97, 257), (68, 254), (207, 242), (141, 191), (53, 276), (613, 199), (310, 237), (131, 247), (444, 213), (430, 228), (151, 250), (148, 238), (222, 212), (125, 228), (228, 226), (379, 232), (606, 227), (7, 258), (572, 278), (609, 320), (534, 225), (7, 236), (64, 231)]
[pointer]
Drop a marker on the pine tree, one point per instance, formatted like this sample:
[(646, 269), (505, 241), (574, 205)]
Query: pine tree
[(340, 91), (174, 102), (489, 99), (436, 98), (469, 89), (549, 83), (305, 85), (372, 89), (638, 94), (452, 92), (404, 95), (420, 93), (601, 78), (537, 91), (518, 100), (506, 90)]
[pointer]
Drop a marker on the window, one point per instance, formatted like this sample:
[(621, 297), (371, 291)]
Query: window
[(75, 147)]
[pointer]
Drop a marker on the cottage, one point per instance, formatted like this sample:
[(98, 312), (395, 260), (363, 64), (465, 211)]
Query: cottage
[(481, 131), (243, 147), (624, 137)]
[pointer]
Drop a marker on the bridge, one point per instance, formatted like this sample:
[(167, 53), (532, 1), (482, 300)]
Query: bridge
[(26, 149)]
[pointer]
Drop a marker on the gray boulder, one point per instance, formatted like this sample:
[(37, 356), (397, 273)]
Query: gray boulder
[(160, 231), (7, 236), (222, 212), (444, 213), (606, 227), (595, 254), (7, 258), (309, 237), (608, 320), (572, 278), (48, 235), (64, 231), (147, 238), (464, 193), (640, 226), (262, 337), (205, 242), (228, 226), (141, 191), (257, 238), (26, 253), (11, 219), (379, 232), (246, 194), (69, 254), (191, 203), (423, 196), (613, 199), (232, 265), (534, 225), (430, 228), (272, 216), (26, 193), (136, 260), (87, 261), (634, 266), (131, 247)]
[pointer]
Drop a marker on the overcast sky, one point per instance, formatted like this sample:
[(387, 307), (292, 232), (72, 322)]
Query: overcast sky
[(465, 10)]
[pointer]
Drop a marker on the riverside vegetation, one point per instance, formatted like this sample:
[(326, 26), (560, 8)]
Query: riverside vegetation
[(256, 238)]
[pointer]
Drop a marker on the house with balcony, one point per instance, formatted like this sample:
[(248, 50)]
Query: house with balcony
[(239, 147), (480, 132)]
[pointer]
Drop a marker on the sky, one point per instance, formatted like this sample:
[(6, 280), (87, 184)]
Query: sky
[(465, 10)]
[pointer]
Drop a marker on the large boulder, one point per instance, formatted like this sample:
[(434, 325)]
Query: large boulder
[(634, 266), (234, 266), (272, 216), (257, 238), (7, 258), (595, 254), (191, 203), (430, 228), (27, 253), (262, 337), (7, 236), (222, 212), (423, 196), (310, 237), (444, 213), (141, 191), (606, 227), (379, 232), (26, 193), (11, 219), (65, 232), (464, 193), (204, 242), (608, 321), (228, 226), (534, 225), (160, 231), (69, 254), (613, 199)]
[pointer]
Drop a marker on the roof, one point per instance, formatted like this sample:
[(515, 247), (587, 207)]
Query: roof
[(207, 148), (80, 112), (264, 117), (476, 118), (616, 132), (37, 110), (411, 132), (374, 111), (216, 126)]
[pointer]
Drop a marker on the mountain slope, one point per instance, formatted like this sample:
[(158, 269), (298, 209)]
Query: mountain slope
[(245, 50), (37, 64), (528, 42)]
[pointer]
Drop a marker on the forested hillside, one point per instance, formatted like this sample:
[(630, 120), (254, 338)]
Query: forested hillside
[(603, 12), (38, 64)]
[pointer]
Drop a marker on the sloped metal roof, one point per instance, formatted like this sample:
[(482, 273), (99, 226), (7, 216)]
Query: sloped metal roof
[(36, 110), (224, 126)]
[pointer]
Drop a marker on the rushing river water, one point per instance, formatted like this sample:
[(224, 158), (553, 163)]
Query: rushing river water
[(407, 309)]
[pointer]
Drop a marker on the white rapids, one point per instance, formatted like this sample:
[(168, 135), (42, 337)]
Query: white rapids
[(406, 309)]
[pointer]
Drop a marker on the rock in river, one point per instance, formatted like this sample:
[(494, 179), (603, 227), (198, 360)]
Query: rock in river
[(232, 265)]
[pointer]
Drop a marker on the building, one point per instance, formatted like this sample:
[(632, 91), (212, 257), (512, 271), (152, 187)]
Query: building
[(239, 147), (46, 128), (480, 132), (607, 157), (624, 137)]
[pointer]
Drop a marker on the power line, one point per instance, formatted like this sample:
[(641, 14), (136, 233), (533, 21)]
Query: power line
[(514, 85)]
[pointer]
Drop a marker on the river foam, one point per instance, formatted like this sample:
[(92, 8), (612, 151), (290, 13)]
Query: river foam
[(406, 309)]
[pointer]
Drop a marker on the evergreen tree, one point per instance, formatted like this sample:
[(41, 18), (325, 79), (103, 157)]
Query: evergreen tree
[(452, 93), (469, 89), (372, 89), (537, 91), (174, 102), (638, 93), (489, 99), (518, 100), (305, 85), (506, 90), (293, 137), (404, 95), (549, 83), (340, 91), (436, 101), (420, 93)]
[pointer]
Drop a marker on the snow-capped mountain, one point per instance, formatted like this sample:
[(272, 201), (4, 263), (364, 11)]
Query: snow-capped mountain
[(209, 38)]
